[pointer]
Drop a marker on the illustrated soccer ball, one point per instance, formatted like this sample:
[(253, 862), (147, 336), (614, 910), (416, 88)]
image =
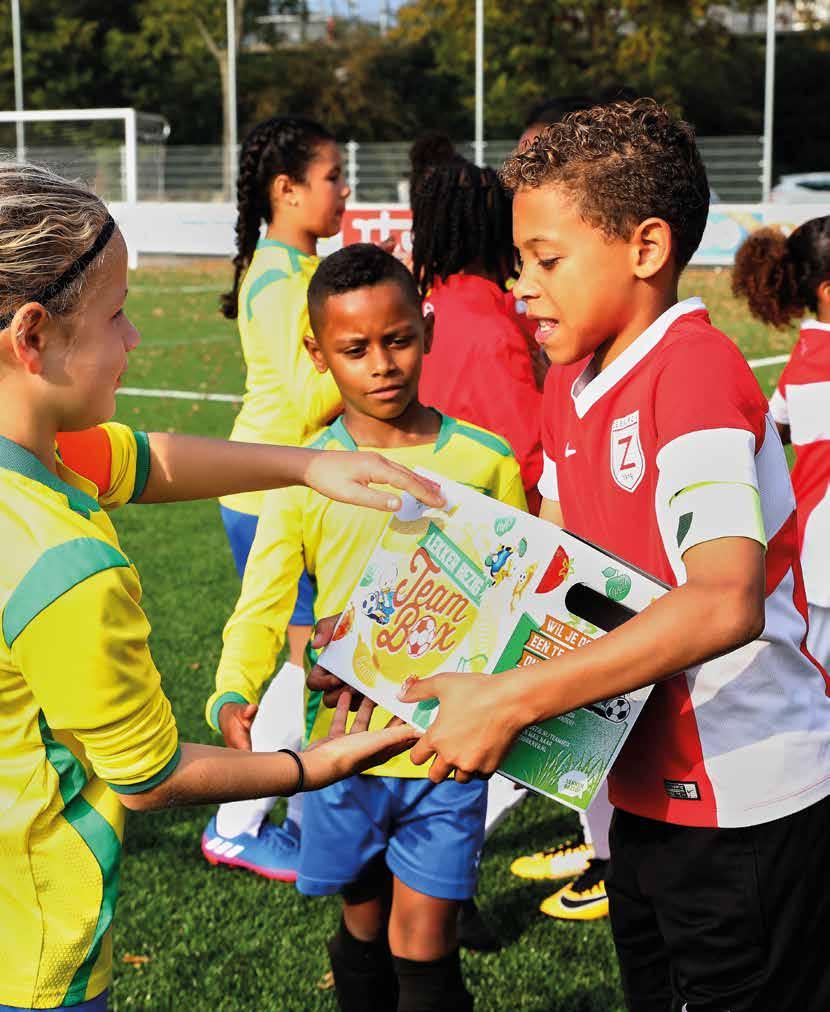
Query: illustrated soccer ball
[(617, 709), (421, 636)]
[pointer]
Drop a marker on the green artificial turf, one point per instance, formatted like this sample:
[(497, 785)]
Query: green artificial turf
[(219, 939)]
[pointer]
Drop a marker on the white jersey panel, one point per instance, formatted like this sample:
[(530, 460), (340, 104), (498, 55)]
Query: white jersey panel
[(548, 485), (768, 766), (809, 410)]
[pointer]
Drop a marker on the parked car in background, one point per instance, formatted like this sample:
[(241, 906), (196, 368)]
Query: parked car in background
[(802, 188)]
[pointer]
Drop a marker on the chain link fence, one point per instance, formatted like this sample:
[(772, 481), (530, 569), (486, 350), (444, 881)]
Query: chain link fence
[(376, 172)]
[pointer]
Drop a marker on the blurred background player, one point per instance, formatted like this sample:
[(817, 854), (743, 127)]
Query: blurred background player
[(782, 278), (403, 853), (291, 179), (482, 366)]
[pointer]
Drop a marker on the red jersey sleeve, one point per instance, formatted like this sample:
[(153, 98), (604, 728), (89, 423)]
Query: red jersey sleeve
[(710, 418)]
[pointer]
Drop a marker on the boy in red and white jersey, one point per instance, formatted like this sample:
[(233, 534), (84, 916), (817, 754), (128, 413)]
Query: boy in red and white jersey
[(782, 278), (659, 448)]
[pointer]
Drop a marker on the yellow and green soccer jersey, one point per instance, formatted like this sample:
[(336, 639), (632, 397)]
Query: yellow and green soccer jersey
[(83, 717), (286, 400), (299, 528)]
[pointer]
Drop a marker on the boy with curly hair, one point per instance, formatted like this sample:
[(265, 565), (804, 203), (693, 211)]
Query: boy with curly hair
[(659, 447)]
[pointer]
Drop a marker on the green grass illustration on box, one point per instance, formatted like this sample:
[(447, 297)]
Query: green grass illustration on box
[(478, 586)]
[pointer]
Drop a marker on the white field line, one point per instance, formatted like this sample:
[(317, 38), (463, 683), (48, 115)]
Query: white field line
[(181, 395), (198, 395)]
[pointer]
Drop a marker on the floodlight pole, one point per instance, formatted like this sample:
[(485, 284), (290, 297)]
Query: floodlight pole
[(18, 80), (231, 110), (479, 137), (769, 100)]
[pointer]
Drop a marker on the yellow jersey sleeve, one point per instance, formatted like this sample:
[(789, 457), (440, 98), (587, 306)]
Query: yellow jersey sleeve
[(510, 488), (129, 464), (113, 458), (315, 397), (255, 632), (76, 630)]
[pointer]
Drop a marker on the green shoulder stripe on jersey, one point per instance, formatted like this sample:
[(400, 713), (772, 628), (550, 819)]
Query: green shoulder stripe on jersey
[(154, 781), (142, 464), (226, 697), (262, 282), (16, 458), (58, 570), (102, 841), (451, 427), (321, 441), (294, 254), (338, 431)]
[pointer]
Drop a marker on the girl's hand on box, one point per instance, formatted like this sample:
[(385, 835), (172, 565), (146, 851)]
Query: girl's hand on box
[(474, 727), (348, 477), (344, 753)]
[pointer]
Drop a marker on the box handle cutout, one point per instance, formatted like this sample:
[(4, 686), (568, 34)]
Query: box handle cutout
[(597, 609)]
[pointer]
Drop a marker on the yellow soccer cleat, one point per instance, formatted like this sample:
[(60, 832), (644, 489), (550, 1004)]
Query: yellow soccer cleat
[(585, 899), (563, 862)]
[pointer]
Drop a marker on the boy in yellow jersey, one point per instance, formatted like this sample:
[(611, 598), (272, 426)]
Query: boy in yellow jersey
[(390, 829)]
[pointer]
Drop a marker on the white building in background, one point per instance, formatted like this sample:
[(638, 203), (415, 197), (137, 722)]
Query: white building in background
[(798, 16)]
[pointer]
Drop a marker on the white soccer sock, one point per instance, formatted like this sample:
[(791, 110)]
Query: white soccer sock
[(502, 795), (278, 724), (597, 821)]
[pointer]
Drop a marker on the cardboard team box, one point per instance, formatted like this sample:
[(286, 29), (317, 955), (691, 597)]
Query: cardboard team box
[(479, 586)]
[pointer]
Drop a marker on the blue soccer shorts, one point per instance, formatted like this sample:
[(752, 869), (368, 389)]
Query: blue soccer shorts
[(431, 834), (241, 528)]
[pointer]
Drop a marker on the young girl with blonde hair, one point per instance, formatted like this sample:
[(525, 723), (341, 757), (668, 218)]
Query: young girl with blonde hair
[(85, 728)]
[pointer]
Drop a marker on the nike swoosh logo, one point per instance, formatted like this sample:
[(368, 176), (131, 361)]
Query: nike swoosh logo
[(569, 450), (570, 904)]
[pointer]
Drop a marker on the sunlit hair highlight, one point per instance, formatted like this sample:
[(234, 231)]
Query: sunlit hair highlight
[(624, 162), (46, 223)]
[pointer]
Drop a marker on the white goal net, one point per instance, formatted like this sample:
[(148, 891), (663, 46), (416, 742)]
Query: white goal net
[(119, 152)]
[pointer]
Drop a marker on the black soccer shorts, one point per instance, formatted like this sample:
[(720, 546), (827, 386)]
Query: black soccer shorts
[(723, 920)]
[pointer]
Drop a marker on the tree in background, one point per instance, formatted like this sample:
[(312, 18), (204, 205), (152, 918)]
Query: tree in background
[(169, 56)]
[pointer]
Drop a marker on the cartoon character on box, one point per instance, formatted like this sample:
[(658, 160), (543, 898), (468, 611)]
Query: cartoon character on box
[(498, 564), (522, 580), (379, 605)]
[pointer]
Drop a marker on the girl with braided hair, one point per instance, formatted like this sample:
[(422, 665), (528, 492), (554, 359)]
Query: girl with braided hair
[(291, 179), (783, 278), (484, 366)]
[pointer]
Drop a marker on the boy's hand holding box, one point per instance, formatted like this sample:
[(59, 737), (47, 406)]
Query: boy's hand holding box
[(479, 586)]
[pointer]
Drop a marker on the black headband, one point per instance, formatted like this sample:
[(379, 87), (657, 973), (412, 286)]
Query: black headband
[(73, 271)]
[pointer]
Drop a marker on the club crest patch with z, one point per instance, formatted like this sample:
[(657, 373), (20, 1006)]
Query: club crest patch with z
[(628, 465)]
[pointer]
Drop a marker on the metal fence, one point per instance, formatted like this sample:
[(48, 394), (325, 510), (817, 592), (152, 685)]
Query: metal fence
[(376, 172)]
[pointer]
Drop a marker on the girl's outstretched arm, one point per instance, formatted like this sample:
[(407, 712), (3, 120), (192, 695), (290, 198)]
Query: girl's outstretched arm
[(194, 467), (209, 773)]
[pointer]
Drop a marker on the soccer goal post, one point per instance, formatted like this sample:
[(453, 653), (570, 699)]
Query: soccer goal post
[(100, 145)]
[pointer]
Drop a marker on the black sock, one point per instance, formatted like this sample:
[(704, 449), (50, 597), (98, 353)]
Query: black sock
[(434, 986), (364, 977)]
